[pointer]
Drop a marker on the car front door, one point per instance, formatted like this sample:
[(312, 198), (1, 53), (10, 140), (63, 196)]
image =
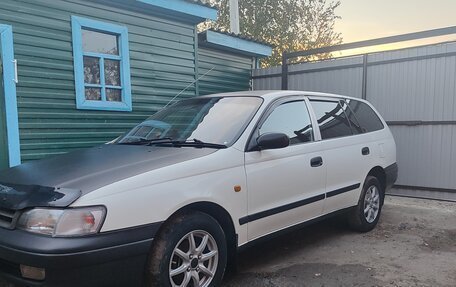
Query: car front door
[(285, 186)]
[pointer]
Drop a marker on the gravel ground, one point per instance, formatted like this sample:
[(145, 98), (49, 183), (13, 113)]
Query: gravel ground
[(413, 245)]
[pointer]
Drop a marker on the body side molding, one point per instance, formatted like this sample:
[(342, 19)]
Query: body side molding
[(342, 190), (293, 205)]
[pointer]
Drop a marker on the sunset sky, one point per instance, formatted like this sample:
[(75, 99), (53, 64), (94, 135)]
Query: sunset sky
[(368, 19)]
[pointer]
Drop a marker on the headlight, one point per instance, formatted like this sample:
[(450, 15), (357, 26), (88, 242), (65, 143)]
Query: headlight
[(63, 222)]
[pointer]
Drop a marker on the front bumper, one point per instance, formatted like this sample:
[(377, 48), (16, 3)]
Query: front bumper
[(107, 259)]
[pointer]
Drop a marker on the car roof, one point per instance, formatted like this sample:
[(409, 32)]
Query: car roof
[(273, 94)]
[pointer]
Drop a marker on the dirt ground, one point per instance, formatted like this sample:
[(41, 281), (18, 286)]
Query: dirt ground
[(413, 245)]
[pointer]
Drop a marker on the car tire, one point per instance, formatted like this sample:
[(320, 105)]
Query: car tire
[(174, 260), (364, 217)]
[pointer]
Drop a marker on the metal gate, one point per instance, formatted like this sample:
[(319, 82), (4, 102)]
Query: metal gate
[(415, 91)]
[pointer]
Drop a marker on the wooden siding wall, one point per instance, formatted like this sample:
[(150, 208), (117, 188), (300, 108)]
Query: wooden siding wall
[(231, 72), (162, 54)]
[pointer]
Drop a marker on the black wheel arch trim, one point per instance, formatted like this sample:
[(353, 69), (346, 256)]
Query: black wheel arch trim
[(391, 173)]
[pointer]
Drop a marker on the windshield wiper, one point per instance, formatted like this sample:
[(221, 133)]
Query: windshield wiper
[(200, 144), (144, 141), (190, 143)]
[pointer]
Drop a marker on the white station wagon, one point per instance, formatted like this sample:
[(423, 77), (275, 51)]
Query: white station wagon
[(172, 201)]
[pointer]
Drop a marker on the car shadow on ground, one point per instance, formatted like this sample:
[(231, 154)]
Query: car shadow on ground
[(287, 244), (266, 264)]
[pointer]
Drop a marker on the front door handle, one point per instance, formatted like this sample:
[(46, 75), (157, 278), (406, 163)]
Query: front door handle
[(365, 151), (316, 161)]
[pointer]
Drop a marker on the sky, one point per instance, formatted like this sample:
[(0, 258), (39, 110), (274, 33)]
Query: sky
[(369, 19)]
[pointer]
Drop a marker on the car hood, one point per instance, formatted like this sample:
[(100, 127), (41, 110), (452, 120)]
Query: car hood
[(60, 180)]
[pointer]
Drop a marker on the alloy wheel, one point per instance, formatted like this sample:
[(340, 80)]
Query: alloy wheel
[(194, 260), (371, 204)]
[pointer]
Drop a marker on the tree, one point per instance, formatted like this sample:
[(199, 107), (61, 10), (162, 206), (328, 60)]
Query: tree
[(289, 25)]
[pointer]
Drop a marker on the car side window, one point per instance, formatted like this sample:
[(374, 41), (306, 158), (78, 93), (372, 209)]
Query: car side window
[(331, 118), (355, 125), (366, 117), (292, 119)]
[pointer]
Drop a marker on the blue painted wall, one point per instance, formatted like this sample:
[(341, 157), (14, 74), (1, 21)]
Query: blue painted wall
[(9, 93)]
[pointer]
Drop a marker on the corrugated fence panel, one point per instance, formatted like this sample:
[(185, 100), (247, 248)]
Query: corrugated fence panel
[(268, 82), (340, 76), (414, 84), (322, 77), (162, 64), (416, 89), (229, 72), (426, 155), (407, 88)]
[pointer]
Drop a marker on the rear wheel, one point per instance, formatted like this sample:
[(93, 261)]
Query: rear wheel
[(190, 251), (364, 217)]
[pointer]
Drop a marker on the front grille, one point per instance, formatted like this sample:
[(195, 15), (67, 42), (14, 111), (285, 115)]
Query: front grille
[(8, 218)]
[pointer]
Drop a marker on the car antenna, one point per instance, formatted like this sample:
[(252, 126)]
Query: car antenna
[(189, 85)]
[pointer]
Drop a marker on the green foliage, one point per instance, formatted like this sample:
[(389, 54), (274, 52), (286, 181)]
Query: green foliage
[(289, 25)]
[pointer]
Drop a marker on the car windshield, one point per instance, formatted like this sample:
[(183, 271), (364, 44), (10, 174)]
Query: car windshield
[(212, 120)]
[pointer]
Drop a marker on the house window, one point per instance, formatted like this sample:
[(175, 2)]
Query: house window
[(101, 65)]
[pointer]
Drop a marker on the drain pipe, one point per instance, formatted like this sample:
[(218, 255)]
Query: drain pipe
[(234, 16)]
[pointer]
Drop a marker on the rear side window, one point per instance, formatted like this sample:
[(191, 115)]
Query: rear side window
[(362, 118), (331, 119), (354, 124), (292, 119)]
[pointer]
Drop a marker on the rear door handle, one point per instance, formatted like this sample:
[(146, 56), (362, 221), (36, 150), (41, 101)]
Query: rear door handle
[(365, 151), (316, 161)]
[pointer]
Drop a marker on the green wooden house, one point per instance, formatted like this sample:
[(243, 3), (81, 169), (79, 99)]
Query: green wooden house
[(77, 73)]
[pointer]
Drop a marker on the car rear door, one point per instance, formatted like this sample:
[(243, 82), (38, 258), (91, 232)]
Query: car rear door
[(345, 153), (286, 186)]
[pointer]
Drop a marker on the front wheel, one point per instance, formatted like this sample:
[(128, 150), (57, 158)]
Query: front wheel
[(190, 251), (364, 217)]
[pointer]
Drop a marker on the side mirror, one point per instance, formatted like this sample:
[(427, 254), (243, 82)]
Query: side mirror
[(273, 141)]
